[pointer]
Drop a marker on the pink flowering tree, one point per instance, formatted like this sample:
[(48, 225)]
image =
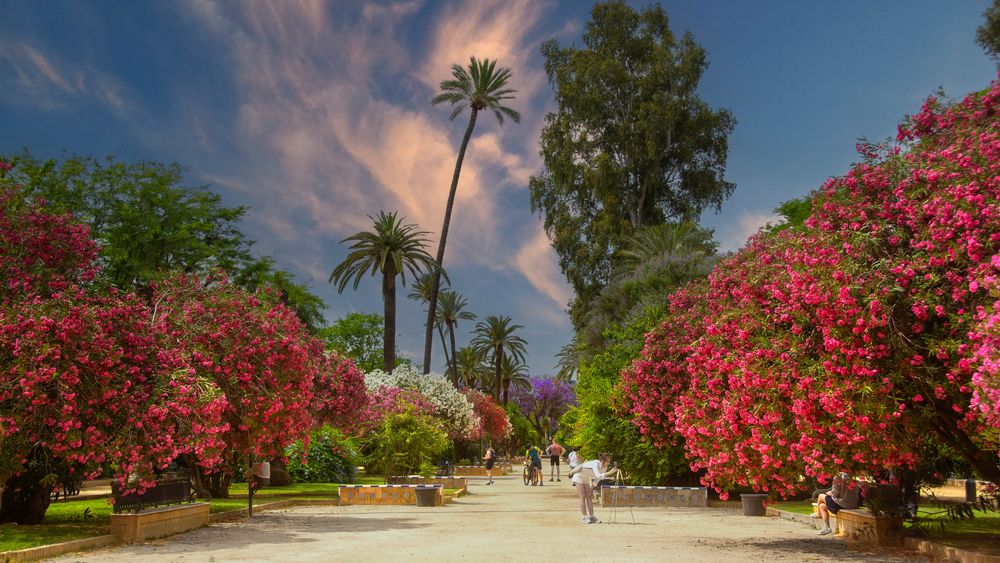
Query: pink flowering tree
[(851, 341), (254, 355), (493, 420), (340, 398), (82, 383)]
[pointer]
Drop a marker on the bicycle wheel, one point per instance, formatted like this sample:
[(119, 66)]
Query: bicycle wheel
[(527, 475), (536, 477)]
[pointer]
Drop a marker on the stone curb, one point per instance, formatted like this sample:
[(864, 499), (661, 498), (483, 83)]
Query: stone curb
[(55, 549), (925, 547)]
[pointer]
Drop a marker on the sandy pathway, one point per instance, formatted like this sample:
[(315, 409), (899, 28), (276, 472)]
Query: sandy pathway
[(503, 522)]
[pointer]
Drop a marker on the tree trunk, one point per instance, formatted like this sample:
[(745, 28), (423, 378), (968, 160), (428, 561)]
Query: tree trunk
[(498, 359), (218, 484), (432, 302), (454, 356), (444, 346), (389, 329), (24, 500)]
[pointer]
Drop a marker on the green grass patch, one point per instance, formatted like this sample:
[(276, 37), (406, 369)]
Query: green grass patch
[(295, 489), (796, 506)]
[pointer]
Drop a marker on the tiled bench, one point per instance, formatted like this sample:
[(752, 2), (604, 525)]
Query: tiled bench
[(860, 524), (480, 471), (446, 482), (626, 495), (386, 494)]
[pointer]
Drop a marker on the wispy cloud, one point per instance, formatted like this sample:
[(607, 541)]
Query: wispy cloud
[(44, 81), (734, 235), (538, 263)]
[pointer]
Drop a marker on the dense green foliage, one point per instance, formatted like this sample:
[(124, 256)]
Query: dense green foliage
[(330, 458), (988, 34), (407, 442), (631, 143), (359, 337)]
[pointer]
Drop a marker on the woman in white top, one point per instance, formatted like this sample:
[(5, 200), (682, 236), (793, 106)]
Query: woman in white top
[(584, 475)]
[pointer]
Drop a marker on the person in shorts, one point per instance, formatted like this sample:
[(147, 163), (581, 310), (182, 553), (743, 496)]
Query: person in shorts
[(534, 459), (554, 451), (489, 458), (845, 493)]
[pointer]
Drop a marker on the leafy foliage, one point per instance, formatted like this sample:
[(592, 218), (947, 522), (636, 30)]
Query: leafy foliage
[(407, 442), (450, 406), (328, 457), (357, 336), (630, 145), (543, 402)]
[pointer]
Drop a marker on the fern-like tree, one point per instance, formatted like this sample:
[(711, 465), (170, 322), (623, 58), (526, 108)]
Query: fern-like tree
[(391, 248), (495, 338), (481, 87)]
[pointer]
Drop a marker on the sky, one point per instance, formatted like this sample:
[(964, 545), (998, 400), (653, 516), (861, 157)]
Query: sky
[(317, 114)]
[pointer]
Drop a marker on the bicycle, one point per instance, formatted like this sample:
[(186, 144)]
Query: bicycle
[(531, 474)]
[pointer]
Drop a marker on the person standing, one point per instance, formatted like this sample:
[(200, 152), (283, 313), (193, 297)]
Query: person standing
[(489, 458), (584, 476), (534, 459), (554, 451)]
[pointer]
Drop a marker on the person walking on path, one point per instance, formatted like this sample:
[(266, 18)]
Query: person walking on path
[(554, 451), (584, 476), (489, 458)]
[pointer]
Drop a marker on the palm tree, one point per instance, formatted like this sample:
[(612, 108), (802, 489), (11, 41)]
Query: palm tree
[(481, 87), (453, 310), (513, 372), (495, 338), (421, 294), (472, 372), (568, 360), (391, 248)]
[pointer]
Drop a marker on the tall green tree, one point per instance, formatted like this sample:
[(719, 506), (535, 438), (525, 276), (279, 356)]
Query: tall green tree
[(988, 34), (357, 336), (630, 144), (421, 293), (513, 372), (391, 248), (481, 87), (264, 273), (472, 372), (495, 337), (453, 310)]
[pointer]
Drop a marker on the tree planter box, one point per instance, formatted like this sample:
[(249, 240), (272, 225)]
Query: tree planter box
[(159, 522), (623, 495), (386, 494)]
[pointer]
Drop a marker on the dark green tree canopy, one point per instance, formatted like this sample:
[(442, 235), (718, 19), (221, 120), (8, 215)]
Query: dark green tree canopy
[(631, 143), (359, 337), (988, 34)]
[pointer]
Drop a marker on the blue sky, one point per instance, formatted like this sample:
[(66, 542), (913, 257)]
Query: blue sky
[(316, 114)]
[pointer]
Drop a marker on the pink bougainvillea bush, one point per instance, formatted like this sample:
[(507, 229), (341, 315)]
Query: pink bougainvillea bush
[(851, 341)]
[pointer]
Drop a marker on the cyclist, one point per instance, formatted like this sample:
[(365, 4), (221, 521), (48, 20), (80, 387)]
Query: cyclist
[(534, 459)]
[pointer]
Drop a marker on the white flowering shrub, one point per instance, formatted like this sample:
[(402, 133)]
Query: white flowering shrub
[(452, 407)]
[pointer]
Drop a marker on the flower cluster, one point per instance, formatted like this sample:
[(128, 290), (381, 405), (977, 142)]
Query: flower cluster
[(849, 341), (494, 422), (453, 408)]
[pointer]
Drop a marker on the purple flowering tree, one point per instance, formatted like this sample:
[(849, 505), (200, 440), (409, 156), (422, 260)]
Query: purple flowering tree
[(543, 403)]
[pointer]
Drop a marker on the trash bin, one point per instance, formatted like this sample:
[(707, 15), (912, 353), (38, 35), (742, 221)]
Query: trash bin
[(753, 504), (427, 495)]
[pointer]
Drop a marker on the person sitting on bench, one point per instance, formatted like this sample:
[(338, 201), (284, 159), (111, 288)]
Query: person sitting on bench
[(845, 493)]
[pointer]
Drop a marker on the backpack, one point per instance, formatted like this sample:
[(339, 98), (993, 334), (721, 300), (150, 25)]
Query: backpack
[(490, 454)]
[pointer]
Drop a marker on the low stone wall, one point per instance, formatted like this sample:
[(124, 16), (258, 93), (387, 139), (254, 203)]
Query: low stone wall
[(446, 482), (385, 494), (140, 526), (862, 525), (480, 471), (626, 495)]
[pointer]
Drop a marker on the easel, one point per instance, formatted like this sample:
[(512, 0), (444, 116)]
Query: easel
[(619, 482)]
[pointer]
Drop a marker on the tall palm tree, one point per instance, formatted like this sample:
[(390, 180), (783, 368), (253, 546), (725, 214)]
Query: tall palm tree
[(391, 248), (481, 87), (453, 310), (495, 338), (568, 360), (513, 372), (472, 372)]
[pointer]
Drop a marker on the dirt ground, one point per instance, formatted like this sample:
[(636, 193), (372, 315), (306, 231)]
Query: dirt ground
[(502, 522)]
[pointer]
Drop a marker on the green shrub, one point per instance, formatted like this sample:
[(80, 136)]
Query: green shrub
[(331, 458)]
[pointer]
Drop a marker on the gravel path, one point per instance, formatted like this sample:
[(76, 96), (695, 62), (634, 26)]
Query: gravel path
[(503, 522)]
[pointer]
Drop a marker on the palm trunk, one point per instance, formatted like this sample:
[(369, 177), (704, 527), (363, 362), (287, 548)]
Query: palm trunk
[(444, 346), (389, 331), (498, 359), (454, 355), (432, 302)]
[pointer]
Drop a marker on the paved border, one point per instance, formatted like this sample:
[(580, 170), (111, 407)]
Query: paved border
[(52, 550)]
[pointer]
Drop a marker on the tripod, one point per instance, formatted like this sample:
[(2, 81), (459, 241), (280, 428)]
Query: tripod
[(619, 482)]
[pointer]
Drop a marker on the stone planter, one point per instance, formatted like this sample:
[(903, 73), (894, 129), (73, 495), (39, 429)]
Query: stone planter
[(753, 504), (426, 496)]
